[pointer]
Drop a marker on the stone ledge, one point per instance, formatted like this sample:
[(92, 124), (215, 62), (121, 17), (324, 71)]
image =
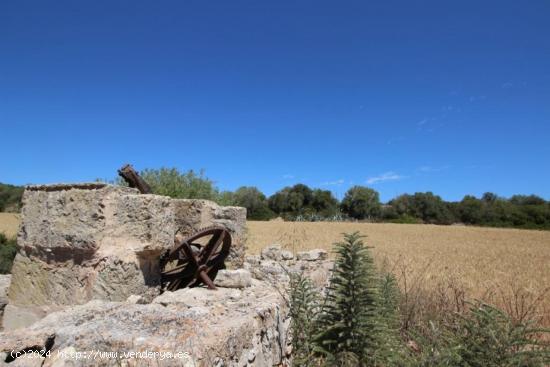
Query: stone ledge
[(67, 186), (217, 328)]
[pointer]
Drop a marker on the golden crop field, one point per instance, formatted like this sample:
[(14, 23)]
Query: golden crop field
[(9, 223), (506, 267)]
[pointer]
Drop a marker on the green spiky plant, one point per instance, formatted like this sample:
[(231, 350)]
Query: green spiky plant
[(390, 349), (303, 310), (485, 337), (389, 300), (349, 319)]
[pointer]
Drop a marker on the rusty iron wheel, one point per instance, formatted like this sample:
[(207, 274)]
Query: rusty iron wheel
[(191, 262)]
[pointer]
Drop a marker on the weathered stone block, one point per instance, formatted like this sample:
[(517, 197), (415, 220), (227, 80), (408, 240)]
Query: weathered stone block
[(287, 255), (272, 252), (81, 242), (192, 215)]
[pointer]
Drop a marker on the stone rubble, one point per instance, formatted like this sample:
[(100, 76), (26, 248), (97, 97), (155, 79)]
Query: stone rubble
[(137, 300), (287, 255), (312, 255), (313, 264), (272, 252), (239, 278)]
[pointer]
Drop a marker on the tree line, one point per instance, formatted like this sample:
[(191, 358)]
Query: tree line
[(302, 203)]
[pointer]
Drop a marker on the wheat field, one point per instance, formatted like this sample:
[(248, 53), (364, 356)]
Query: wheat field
[(9, 223), (506, 267)]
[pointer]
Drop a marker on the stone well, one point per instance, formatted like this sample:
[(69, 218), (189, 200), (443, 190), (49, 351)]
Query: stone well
[(79, 242)]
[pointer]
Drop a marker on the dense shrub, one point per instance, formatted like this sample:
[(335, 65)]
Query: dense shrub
[(427, 207), (226, 198), (519, 211), (8, 249), (171, 182), (10, 198)]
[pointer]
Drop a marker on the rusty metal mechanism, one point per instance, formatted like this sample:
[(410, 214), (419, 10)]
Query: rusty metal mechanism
[(195, 260), (133, 179), (192, 261)]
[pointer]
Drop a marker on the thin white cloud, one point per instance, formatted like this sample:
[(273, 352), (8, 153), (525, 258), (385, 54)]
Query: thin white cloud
[(386, 176), (333, 183), (422, 122), (288, 176)]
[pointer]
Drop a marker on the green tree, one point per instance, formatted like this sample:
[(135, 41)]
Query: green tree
[(489, 197), (324, 203), (254, 201), (361, 202), (292, 201), (278, 201), (469, 210)]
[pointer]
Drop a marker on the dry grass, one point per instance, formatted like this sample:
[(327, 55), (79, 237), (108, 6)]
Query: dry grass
[(9, 223), (506, 267)]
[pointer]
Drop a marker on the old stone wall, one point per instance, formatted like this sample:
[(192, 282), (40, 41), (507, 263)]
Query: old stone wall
[(244, 323), (86, 280), (96, 241)]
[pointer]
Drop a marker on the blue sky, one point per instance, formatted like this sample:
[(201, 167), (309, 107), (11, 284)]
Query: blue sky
[(402, 96)]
